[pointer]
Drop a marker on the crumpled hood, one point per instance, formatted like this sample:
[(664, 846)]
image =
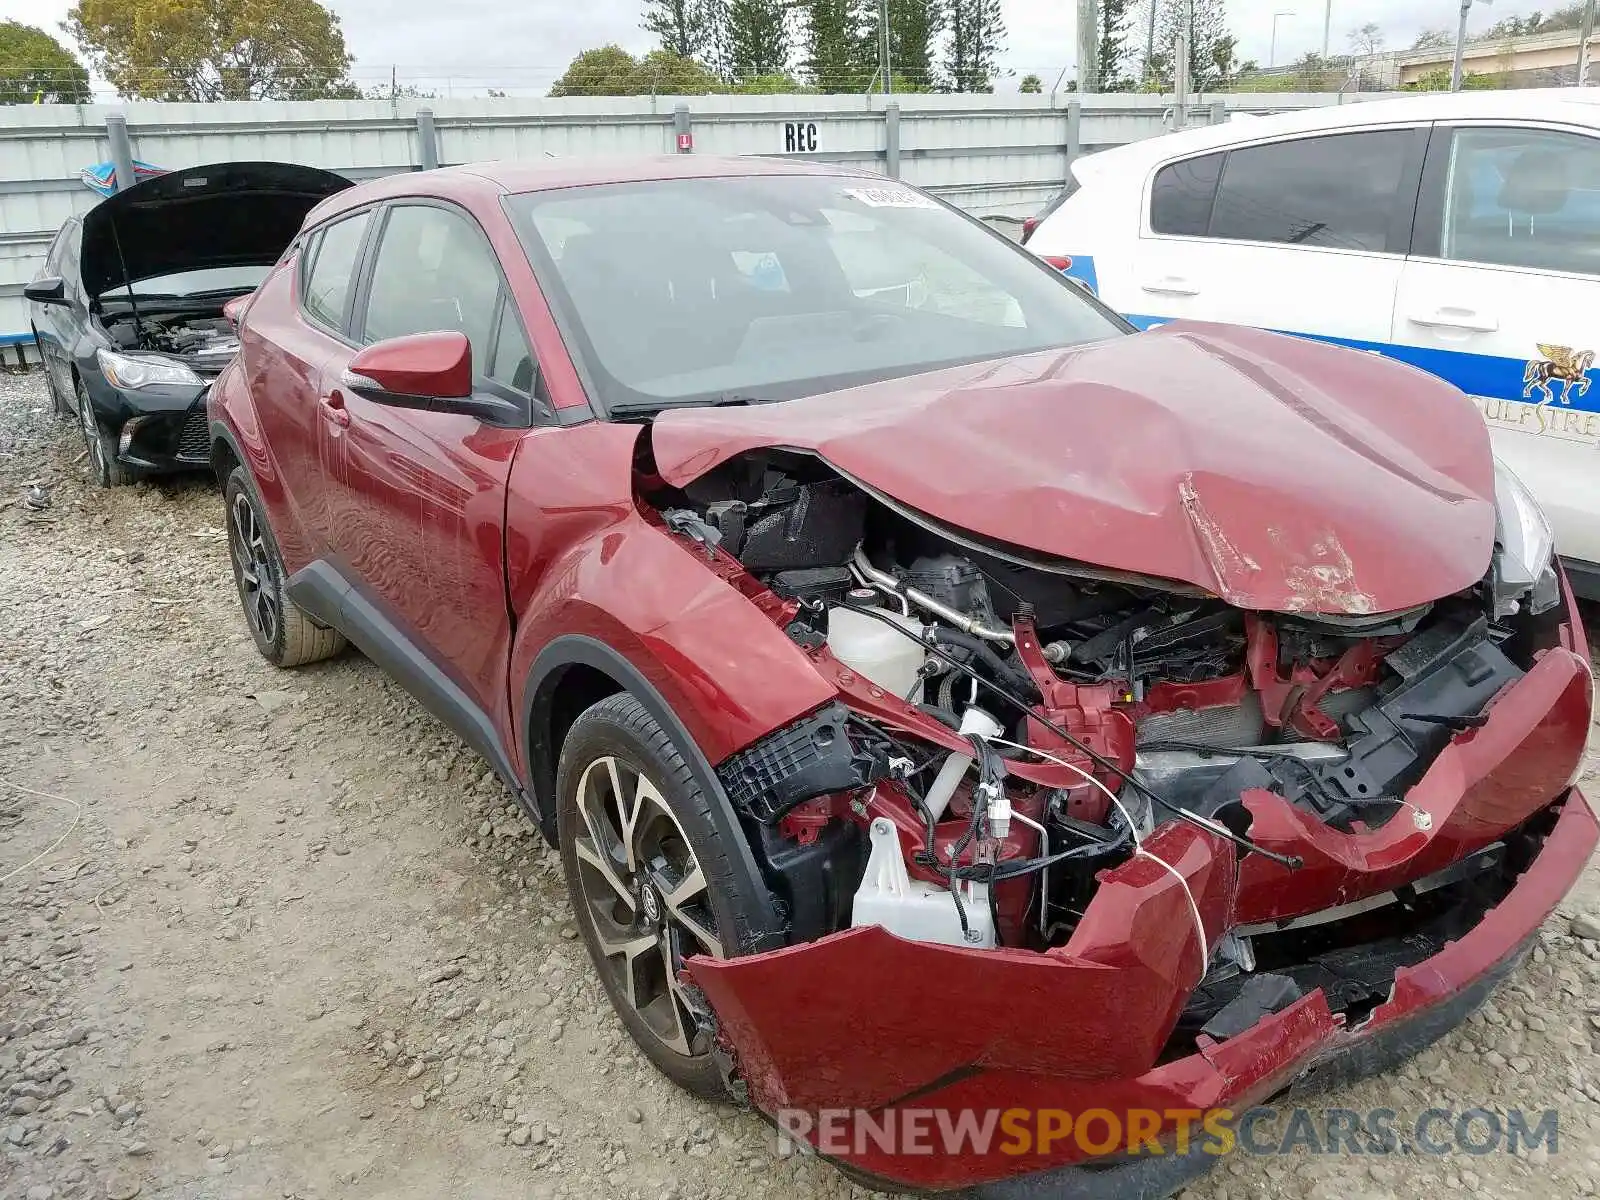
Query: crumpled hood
[(1281, 474)]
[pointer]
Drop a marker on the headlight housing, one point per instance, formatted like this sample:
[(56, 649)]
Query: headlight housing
[(1524, 560), (130, 371)]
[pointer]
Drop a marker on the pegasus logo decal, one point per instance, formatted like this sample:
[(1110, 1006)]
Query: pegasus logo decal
[(1561, 364)]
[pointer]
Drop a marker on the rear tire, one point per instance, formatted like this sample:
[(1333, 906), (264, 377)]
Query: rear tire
[(650, 888), (104, 469), (284, 634)]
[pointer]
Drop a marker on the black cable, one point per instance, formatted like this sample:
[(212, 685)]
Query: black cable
[(1293, 862)]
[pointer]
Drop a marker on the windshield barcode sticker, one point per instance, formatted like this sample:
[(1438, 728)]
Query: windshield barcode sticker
[(889, 197)]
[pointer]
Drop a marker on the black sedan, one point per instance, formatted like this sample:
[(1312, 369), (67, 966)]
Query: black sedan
[(129, 307)]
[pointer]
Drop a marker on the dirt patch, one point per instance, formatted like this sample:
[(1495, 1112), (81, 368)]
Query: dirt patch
[(279, 934)]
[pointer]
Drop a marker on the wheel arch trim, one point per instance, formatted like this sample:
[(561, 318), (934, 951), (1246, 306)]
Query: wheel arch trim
[(571, 650)]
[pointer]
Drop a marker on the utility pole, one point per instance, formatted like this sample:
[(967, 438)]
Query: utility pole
[(888, 67), (1461, 44), (1327, 24), (1150, 42), (1088, 45), (1180, 67), (1585, 32)]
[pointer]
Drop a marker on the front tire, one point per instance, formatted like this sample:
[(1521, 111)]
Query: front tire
[(104, 469), (284, 634), (650, 881)]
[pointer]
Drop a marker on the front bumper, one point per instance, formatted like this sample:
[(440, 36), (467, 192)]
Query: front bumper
[(862, 1021), (160, 428), (1303, 1048), (167, 441)]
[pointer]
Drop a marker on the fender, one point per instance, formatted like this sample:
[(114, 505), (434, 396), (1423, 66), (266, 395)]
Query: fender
[(579, 650)]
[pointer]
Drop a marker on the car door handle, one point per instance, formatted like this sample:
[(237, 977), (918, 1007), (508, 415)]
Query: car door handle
[(333, 409), (1171, 285), (1449, 317)]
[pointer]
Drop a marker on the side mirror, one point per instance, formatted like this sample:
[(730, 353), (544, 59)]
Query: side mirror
[(50, 290), (425, 370)]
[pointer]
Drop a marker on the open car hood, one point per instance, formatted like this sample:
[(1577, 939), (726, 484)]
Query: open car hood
[(1277, 473), (223, 215)]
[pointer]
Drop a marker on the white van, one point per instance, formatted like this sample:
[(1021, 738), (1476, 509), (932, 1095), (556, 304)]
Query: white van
[(1459, 233)]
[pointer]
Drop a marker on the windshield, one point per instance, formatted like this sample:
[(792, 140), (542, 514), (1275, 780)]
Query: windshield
[(776, 286), (199, 283)]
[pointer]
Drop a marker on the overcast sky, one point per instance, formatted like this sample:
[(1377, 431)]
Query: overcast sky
[(468, 45)]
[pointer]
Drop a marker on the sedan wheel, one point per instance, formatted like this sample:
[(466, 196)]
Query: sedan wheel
[(654, 881), (104, 469)]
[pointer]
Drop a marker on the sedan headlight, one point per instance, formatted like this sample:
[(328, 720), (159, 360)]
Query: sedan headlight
[(129, 371), (1525, 558)]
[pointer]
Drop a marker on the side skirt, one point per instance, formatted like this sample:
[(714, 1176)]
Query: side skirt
[(331, 599)]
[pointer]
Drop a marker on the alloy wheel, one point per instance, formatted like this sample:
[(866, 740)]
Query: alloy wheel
[(644, 896), (92, 438), (258, 581)]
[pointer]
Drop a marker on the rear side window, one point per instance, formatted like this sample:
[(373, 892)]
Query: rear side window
[(1523, 198), (1338, 191), (1180, 199), (331, 273)]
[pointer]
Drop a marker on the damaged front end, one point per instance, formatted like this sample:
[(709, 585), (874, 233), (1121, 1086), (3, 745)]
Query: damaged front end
[(1070, 836)]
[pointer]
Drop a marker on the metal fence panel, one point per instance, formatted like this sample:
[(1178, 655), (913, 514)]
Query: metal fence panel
[(995, 156)]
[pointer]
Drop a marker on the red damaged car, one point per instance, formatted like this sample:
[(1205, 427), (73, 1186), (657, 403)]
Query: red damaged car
[(940, 696)]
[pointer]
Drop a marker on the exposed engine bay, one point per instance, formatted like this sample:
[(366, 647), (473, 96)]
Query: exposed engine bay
[(204, 342), (1077, 709)]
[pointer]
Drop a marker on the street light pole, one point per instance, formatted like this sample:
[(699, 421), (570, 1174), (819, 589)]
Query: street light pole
[(1461, 44), (1327, 25), (1272, 54)]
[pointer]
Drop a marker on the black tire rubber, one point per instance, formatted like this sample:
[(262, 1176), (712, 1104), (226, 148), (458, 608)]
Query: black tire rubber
[(100, 446), (297, 639), (620, 726)]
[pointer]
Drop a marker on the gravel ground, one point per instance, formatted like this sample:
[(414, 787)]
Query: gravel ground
[(280, 934)]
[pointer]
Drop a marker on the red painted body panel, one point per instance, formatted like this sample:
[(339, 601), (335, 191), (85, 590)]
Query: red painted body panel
[(582, 559), (1074, 1035), (1278, 473)]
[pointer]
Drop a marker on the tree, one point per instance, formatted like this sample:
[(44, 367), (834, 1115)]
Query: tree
[(839, 53), (1434, 39), (1209, 27), (1116, 17), (913, 27), (200, 50), (1366, 40), (672, 75), (612, 71), (1313, 73), (1032, 85), (755, 39), (684, 27), (977, 37), (603, 71), (35, 68)]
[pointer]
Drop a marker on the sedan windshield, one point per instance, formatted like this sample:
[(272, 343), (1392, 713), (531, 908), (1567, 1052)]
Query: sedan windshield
[(203, 282), (770, 287)]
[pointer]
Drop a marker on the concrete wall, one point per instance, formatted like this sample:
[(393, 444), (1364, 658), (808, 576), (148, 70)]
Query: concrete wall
[(995, 156)]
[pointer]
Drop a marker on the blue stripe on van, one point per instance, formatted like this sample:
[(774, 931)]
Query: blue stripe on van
[(1476, 374)]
